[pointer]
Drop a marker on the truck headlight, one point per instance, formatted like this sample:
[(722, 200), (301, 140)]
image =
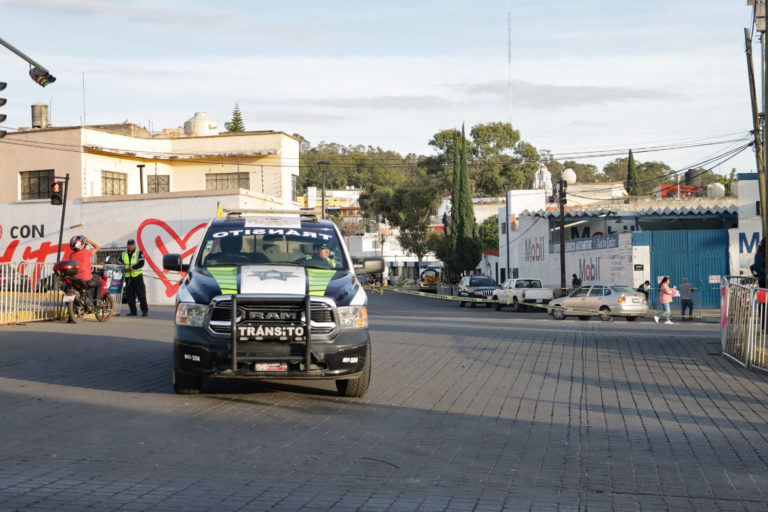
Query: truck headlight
[(190, 314), (353, 317)]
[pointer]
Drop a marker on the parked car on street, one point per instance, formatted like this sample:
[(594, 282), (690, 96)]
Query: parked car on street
[(519, 293), (603, 300), (476, 287)]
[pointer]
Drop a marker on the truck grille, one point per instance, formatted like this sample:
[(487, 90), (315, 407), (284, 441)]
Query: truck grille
[(268, 313)]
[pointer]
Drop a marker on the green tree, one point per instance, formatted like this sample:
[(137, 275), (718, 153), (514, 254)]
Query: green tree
[(236, 125), (489, 230), (631, 185), (615, 171), (465, 243), (409, 207)]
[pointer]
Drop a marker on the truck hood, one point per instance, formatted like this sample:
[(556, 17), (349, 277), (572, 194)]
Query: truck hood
[(205, 283)]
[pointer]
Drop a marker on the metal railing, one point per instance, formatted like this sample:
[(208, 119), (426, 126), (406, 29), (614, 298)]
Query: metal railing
[(29, 292), (745, 322)]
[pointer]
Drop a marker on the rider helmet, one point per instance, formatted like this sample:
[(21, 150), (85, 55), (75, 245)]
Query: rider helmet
[(77, 242)]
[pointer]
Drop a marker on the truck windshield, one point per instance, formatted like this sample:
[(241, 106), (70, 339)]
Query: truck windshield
[(306, 247), (481, 281)]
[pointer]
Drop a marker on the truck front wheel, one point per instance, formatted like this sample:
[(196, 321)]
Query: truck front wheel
[(356, 388), (185, 384)]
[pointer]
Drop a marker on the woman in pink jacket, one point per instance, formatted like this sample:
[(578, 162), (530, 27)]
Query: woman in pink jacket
[(665, 298)]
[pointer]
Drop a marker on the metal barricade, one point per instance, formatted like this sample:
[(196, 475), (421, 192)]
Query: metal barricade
[(28, 292), (746, 322)]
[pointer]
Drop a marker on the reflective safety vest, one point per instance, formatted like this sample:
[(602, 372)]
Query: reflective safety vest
[(130, 261)]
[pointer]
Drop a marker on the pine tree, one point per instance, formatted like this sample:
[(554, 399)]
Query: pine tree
[(236, 125), (466, 246), (632, 179)]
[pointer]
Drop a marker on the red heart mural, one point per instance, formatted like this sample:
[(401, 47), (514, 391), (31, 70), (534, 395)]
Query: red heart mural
[(154, 237)]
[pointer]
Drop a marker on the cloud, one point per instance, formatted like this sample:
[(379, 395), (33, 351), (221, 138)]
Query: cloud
[(381, 102), (124, 11), (526, 93)]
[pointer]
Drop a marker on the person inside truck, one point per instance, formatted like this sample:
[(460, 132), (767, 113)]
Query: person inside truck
[(322, 257)]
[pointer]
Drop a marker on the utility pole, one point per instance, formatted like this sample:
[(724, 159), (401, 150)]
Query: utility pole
[(756, 129), (762, 170), (562, 185), (506, 229), (324, 166)]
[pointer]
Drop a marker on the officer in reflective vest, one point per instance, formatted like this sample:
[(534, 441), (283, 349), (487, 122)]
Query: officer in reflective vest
[(133, 260)]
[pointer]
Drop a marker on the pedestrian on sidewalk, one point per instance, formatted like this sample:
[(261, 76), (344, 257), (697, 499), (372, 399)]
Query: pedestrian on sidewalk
[(686, 302), (665, 298)]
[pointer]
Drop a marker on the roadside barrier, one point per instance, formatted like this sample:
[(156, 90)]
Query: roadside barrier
[(745, 324), (569, 311), (29, 292)]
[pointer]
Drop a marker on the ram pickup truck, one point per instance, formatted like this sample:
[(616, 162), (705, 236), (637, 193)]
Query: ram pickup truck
[(521, 293), (271, 295)]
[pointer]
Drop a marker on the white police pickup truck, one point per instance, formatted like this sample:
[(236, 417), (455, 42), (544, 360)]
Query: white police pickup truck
[(272, 296)]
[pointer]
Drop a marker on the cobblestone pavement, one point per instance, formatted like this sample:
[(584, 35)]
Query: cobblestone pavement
[(469, 409)]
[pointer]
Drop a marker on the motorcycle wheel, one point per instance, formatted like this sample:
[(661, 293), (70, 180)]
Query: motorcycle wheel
[(105, 308), (75, 311)]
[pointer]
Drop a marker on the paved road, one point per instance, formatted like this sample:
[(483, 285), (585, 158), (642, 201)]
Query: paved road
[(469, 409)]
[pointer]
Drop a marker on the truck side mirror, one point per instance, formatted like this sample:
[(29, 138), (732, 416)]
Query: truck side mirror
[(174, 262)]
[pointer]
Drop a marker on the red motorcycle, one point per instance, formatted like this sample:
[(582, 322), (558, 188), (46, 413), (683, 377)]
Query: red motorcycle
[(79, 297)]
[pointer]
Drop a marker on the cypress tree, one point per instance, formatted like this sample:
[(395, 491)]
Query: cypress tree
[(632, 179), (465, 241)]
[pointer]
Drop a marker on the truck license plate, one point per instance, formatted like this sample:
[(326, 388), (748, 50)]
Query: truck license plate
[(271, 367)]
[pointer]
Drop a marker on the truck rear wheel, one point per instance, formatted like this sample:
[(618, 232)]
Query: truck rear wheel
[(356, 388)]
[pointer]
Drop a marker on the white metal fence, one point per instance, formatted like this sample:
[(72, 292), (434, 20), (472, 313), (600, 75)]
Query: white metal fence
[(745, 322), (30, 292)]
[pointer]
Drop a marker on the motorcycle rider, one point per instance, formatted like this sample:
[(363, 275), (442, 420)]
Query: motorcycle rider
[(83, 255), (133, 259)]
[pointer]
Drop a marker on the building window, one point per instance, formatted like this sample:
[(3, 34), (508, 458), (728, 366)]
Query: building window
[(36, 184), (113, 183), (161, 183), (294, 186), (227, 181)]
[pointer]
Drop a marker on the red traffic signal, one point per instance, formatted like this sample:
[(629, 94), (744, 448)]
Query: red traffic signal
[(2, 103), (57, 189)]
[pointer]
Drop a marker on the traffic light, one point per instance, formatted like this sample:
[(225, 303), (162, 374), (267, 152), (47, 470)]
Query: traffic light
[(41, 76), (57, 189), (2, 116)]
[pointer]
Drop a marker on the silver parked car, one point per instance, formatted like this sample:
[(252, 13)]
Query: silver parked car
[(601, 300)]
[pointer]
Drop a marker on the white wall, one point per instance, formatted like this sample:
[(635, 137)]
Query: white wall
[(743, 241), (30, 231)]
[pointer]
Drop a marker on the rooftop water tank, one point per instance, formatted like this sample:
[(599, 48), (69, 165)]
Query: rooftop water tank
[(569, 175), (715, 190), (201, 124), (693, 177), (39, 115)]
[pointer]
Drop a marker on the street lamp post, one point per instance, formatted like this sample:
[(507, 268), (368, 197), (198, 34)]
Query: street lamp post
[(324, 166), (506, 226)]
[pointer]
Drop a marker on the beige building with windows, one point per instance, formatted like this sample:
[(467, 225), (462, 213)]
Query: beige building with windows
[(124, 183), (101, 163)]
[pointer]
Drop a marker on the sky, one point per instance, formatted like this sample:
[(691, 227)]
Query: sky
[(586, 80)]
